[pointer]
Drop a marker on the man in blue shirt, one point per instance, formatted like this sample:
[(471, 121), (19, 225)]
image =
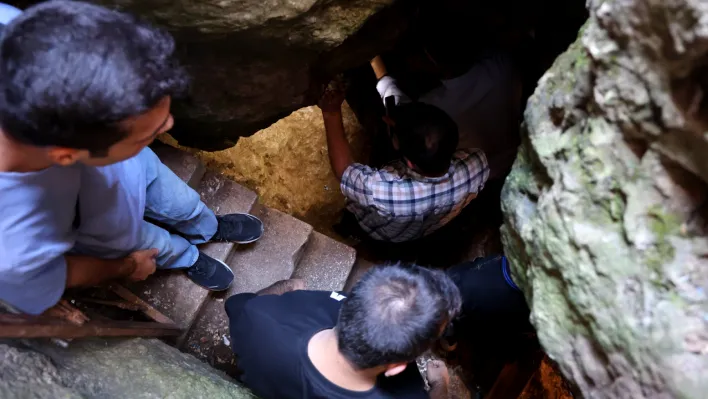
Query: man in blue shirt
[(84, 90)]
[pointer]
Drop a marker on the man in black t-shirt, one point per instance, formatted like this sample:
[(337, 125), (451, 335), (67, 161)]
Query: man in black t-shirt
[(322, 344)]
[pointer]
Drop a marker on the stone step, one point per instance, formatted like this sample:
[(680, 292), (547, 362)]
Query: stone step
[(256, 266), (361, 266), (326, 263), (185, 165), (171, 292), (223, 196)]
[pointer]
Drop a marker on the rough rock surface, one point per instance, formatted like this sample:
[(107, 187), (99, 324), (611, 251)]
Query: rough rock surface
[(253, 62), (110, 369), (606, 207), (26, 374)]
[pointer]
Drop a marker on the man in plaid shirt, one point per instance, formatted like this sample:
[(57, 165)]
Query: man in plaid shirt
[(417, 194)]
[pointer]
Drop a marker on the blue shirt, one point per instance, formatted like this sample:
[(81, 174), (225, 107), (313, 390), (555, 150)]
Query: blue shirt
[(39, 225), (8, 13)]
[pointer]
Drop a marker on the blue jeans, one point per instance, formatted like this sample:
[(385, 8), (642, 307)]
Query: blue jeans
[(172, 204)]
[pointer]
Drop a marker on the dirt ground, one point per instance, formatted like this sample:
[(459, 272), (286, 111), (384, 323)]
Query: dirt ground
[(287, 164)]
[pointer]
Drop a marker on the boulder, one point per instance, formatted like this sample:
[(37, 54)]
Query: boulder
[(110, 369), (253, 62), (606, 208), (27, 374)]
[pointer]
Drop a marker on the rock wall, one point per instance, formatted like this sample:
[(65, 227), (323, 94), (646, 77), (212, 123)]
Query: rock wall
[(253, 62), (110, 369), (606, 216)]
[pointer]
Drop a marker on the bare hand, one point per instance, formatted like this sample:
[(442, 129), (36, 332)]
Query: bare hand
[(66, 311), (144, 262), (332, 99), (438, 378)]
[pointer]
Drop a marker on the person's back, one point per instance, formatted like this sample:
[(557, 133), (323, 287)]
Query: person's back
[(424, 190), (318, 344), (485, 103), (481, 93)]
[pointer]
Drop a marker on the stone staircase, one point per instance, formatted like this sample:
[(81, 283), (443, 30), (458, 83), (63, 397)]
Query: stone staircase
[(289, 248)]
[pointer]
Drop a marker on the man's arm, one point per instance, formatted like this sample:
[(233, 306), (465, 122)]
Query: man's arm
[(386, 85), (340, 154), (86, 271), (438, 378), (379, 67)]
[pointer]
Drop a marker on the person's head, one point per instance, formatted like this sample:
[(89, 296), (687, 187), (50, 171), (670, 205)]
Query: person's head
[(393, 315), (425, 136), (86, 84)]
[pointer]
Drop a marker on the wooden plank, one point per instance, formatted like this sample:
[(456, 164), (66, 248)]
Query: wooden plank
[(118, 304), (25, 326), (144, 306)]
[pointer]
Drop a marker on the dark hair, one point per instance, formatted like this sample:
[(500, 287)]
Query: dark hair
[(427, 136), (394, 314), (72, 71)]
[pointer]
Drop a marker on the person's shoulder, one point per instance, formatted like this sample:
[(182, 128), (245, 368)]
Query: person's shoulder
[(407, 385), (44, 189), (310, 300), (470, 157), (294, 302), (358, 171)]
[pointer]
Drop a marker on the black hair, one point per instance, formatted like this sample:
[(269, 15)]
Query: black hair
[(72, 71), (394, 314), (427, 136)]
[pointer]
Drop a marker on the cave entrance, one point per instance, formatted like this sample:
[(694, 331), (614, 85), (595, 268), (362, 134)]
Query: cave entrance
[(287, 163)]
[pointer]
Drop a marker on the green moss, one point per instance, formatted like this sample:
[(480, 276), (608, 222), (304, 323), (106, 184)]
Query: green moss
[(617, 207), (583, 28), (567, 66), (663, 225)]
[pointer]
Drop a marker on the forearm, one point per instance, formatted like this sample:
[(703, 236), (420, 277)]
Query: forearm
[(340, 155), (379, 67), (386, 85), (86, 271)]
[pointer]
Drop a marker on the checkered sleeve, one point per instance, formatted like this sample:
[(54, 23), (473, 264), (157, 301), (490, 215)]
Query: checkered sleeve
[(356, 183), (477, 166)]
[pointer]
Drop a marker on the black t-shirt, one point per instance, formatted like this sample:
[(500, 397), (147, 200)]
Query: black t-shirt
[(270, 335)]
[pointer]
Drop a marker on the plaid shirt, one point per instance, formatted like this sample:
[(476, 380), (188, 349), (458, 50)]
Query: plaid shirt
[(397, 204)]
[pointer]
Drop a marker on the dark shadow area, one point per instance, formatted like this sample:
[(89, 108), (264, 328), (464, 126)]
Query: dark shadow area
[(464, 32)]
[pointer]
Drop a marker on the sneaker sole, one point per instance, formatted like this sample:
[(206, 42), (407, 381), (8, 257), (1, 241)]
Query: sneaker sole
[(232, 275)]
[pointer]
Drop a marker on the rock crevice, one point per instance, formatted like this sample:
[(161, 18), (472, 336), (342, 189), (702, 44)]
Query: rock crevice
[(605, 209)]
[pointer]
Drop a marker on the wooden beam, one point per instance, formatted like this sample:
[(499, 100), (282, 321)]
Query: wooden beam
[(144, 306), (118, 304), (25, 326)]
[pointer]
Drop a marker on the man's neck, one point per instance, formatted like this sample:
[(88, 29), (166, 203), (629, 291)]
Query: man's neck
[(18, 157), (414, 168), (323, 350)]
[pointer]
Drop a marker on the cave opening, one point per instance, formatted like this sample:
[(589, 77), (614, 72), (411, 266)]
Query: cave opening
[(287, 163)]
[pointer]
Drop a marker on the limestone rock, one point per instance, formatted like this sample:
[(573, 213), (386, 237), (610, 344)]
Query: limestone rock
[(606, 216), (253, 62), (110, 369), (25, 374)]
